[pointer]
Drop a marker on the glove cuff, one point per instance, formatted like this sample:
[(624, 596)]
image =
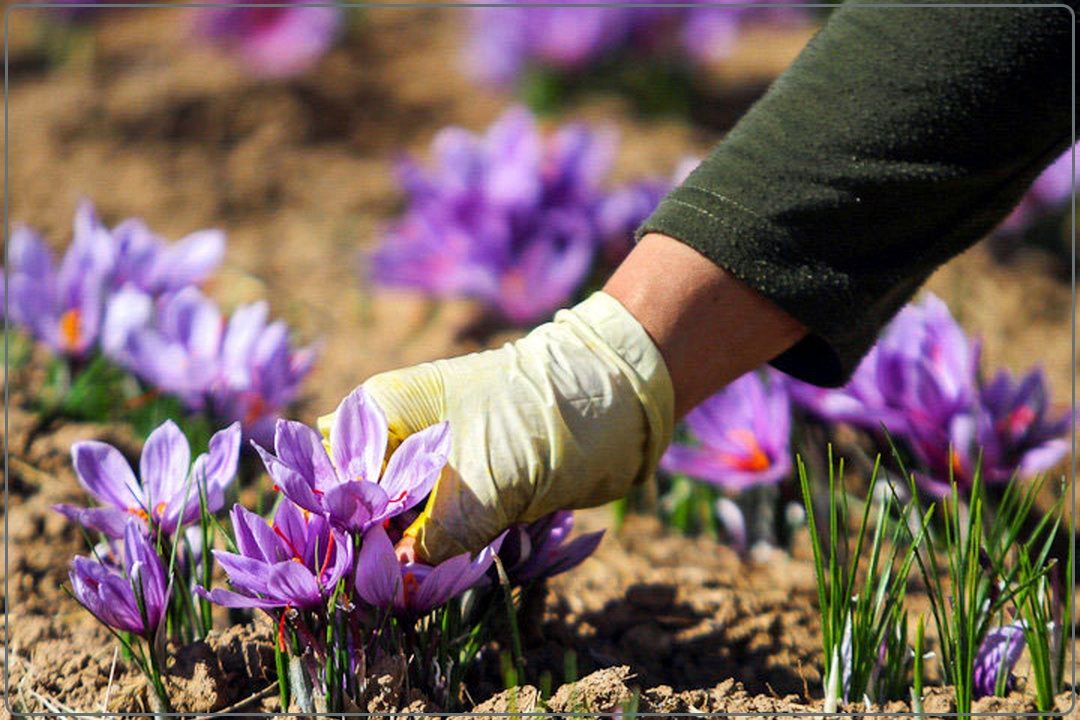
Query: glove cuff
[(616, 334)]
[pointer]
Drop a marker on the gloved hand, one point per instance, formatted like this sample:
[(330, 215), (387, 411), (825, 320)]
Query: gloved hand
[(569, 416)]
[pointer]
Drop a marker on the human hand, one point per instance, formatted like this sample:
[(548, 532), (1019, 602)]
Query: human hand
[(569, 416)]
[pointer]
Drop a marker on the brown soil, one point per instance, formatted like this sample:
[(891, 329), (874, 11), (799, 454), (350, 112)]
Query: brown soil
[(298, 173)]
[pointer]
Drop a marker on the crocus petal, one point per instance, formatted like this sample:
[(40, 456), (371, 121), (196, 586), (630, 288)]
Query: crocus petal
[(415, 466), (293, 582), (217, 468), (190, 260), (105, 474), (358, 438), (296, 488), (300, 448), (248, 574), (441, 584), (354, 506), (145, 568), (163, 467), (108, 520), (574, 553), (378, 572), (227, 598)]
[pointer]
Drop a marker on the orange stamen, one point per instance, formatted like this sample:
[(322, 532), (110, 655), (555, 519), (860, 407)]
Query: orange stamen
[(755, 459), (139, 513), (71, 328), (159, 509)]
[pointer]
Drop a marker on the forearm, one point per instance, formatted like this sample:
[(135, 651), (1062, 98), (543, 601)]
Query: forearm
[(709, 327), (897, 139)]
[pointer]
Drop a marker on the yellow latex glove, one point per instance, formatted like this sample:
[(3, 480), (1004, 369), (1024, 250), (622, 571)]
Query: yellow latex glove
[(569, 416)]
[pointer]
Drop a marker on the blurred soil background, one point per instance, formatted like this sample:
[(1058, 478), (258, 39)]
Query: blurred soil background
[(146, 122)]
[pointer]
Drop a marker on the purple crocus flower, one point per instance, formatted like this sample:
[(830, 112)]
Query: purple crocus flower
[(413, 589), (508, 218), (1006, 429), (506, 41), (743, 433), (167, 490), (540, 549), (999, 652), (347, 483), (240, 369), (922, 370), (60, 306), (1049, 194), (145, 261), (131, 598), (1016, 433), (295, 561), (273, 42)]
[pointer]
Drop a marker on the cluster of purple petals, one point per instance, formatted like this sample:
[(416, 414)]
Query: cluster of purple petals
[(129, 294), (740, 437), (238, 368), (340, 495), (506, 41), (1048, 195), (130, 595), (922, 383), (997, 656), (125, 585), (513, 218), (272, 42)]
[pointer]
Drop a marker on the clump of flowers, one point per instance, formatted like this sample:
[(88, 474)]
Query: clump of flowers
[(274, 41), (506, 42), (326, 570), (139, 581), (240, 368), (123, 297), (513, 218), (922, 383)]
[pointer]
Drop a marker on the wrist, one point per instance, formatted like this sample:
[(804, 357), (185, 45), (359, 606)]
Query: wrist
[(708, 325)]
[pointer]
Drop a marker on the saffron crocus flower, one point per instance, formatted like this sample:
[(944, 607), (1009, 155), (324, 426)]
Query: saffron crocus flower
[(998, 654), (147, 262), (743, 435), (295, 561), (413, 589), (508, 219), (240, 369), (347, 483), (166, 493), (60, 306), (131, 598), (505, 40), (273, 42), (922, 370), (542, 548), (1016, 432)]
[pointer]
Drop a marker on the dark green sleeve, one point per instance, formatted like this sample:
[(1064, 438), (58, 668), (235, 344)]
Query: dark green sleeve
[(899, 137)]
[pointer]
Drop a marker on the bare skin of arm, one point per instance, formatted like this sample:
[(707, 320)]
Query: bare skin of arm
[(710, 327)]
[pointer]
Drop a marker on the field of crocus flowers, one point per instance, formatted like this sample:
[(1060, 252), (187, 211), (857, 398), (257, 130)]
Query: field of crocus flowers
[(223, 220)]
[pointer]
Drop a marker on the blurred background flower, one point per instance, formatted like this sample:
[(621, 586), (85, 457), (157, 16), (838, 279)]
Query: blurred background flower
[(276, 41)]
